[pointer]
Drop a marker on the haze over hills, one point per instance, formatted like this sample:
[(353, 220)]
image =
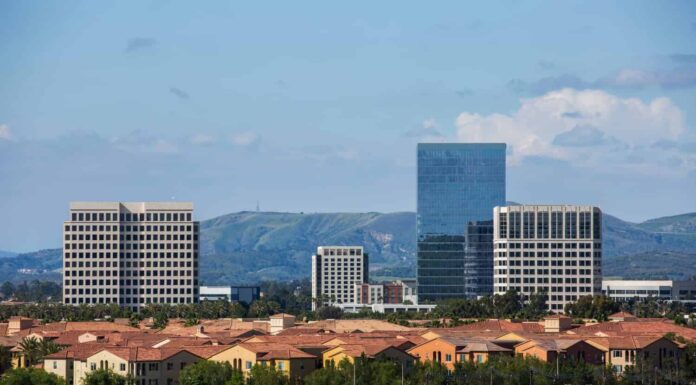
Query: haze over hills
[(248, 247)]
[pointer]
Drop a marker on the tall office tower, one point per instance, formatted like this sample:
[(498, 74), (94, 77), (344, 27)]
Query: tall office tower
[(458, 186), (130, 253), (335, 270), (553, 250)]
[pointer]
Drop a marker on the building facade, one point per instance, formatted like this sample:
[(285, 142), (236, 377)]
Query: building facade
[(458, 186), (130, 253), (668, 290), (335, 271), (553, 250), (246, 294)]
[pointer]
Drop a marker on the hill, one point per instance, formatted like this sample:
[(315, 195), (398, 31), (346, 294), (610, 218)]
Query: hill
[(248, 247)]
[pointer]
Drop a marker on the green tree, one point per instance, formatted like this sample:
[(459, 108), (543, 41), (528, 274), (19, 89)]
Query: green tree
[(30, 376), (105, 377), (5, 358), (266, 375), (329, 312), (210, 373), (160, 320), (7, 289)]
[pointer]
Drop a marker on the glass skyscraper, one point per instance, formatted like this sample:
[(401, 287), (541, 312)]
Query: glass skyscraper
[(458, 186)]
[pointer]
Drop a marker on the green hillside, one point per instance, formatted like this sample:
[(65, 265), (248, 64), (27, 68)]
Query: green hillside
[(249, 247)]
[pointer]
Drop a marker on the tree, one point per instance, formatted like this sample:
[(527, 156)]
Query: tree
[(5, 358), (105, 377), (7, 289), (329, 312), (30, 376), (263, 308), (210, 373), (266, 375), (160, 320)]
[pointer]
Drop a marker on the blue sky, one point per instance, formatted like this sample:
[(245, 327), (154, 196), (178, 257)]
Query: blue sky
[(316, 107)]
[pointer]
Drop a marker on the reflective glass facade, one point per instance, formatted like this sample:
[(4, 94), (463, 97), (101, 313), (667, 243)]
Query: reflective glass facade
[(458, 186)]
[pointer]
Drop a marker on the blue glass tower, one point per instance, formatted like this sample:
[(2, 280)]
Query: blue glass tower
[(458, 186)]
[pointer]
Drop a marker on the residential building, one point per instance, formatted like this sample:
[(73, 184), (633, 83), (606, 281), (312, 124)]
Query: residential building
[(370, 351), (627, 290), (246, 294), (410, 290), (335, 271), (130, 253), (552, 250), (458, 186), (368, 294), (552, 349), (450, 350), (144, 364), (293, 362)]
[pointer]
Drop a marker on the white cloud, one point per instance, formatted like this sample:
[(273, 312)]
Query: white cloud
[(248, 138), (5, 133), (202, 139), (588, 128)]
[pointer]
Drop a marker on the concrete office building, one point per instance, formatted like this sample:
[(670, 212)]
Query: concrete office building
[(668, 290), (130, 253), (246, 294), (555, 250), (458, 186), (335, 271)]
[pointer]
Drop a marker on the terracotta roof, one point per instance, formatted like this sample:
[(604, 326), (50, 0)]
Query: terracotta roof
[(482, 346), (78, 352), (621, 314), (302, 331), (267, 351), (620, 328), (357, 350), (502, 325), (626, 342), (206, 352), (361, 325)]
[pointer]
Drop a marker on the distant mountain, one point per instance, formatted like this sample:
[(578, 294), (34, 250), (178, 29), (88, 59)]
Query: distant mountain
[(248, 247), (6, 254)]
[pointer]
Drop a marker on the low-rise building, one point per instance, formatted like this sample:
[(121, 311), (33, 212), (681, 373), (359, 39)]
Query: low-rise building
[(669, 290), (286, 358), (451, 350), (246, 294)]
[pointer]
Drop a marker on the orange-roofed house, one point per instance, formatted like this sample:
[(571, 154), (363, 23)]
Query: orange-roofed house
[(625, 351), (146, 365), (356, 351), (552, 349), (286, 358), (450, 350)]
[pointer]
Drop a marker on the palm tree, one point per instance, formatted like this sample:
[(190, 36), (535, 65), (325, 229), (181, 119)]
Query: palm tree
[(35, 350)]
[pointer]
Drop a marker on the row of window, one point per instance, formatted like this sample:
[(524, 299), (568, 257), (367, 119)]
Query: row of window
[(129, 217), (569, 225), (127, 300), (122, 291), (532, 262), (129, 264), (128, 246), (128, 282), (128, 255), (546, 245)]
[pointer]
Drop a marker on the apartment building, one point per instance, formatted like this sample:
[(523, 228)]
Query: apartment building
[(130, 253), (551, 249), (335, 271)]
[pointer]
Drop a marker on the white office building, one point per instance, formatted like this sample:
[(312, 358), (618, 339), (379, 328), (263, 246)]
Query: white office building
[(551, 249), (335, 271), (669, 290), (130, 253)]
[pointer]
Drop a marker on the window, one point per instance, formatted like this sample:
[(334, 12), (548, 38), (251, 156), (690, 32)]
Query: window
[(616, 353), (122, 367), (93, 366), (479, 358), (55, 364), (448, 358), (248, 364), (281, 365)]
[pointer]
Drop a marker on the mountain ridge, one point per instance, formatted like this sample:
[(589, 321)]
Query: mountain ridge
[(248, 246)]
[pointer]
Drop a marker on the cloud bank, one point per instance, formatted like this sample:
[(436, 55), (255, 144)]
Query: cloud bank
[(589, 128)]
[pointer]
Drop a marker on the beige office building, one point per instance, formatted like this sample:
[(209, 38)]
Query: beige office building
[(555, 250), (335, 271), (130, 253)]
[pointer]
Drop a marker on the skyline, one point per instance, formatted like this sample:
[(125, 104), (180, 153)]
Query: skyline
[(319, 109)]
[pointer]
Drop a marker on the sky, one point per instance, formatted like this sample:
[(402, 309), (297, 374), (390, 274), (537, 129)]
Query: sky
[(318, 106)]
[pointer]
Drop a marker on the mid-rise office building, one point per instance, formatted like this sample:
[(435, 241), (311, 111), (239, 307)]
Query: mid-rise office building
[(335, 271), (397, 292), (553, 250), (130, 253), (634, 289), (458, 186)]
